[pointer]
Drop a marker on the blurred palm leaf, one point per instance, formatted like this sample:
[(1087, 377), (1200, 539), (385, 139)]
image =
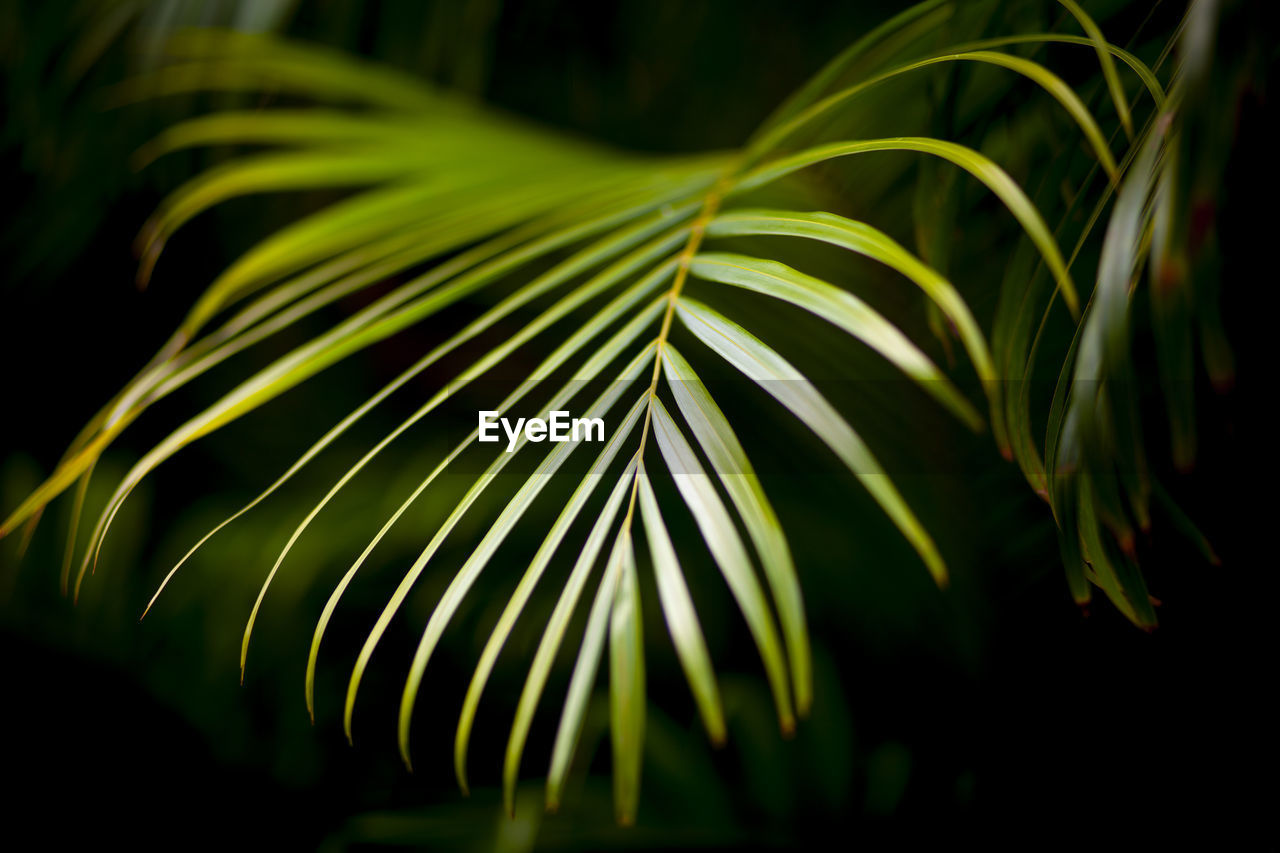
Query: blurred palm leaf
[(464, 200)]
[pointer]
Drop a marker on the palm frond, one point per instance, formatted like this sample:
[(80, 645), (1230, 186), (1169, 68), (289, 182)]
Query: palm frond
[(464, 200)]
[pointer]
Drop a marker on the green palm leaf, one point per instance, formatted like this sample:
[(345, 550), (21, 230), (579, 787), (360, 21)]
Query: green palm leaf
[(471, 206), (682, 618), (788, 386)]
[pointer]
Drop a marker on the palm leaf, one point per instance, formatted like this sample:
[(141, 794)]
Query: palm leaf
[(464, 202), (682, 617)]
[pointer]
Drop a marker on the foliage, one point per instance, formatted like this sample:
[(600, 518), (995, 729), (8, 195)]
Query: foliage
[(604, 255)]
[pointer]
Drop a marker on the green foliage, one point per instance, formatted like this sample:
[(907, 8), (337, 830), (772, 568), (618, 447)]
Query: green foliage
[(463, 206)]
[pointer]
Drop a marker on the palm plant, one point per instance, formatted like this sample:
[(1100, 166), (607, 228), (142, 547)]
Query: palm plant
[(605, 256)]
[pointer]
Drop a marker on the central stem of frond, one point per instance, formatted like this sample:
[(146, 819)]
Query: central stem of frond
[(710, 206)]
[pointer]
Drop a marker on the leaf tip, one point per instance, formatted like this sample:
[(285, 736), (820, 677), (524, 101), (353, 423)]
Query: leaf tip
[(1073, 304), (404, 748), (150, 245)]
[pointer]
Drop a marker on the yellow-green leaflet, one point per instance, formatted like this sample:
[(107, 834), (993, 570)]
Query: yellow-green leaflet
[(586, 667), (1121, 582), (554, 633), (1139, 68), (981, 167), (731, 557), (1114, 86), (682, 618), (712, 430), (1033, 71), (226, 60), (555, 536), (865, 240), (787, 385), (73, 527), (626, 690), (903, 27), (273, 172), (842, 309)]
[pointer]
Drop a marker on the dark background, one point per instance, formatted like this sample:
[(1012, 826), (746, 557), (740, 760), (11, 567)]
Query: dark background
[(995, 708)]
